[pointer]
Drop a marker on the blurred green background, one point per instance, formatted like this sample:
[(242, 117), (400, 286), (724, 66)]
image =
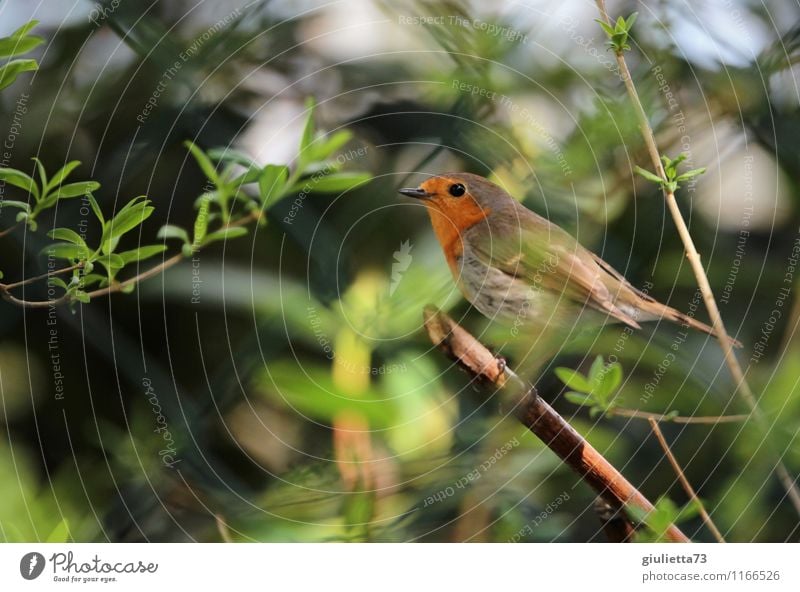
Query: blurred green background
[(297, 397)]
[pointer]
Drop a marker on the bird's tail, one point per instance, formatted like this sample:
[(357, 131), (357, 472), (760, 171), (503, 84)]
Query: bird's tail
[(662, 311)]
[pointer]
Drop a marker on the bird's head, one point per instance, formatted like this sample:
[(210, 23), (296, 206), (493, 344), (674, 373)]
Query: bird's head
[(463, 199)]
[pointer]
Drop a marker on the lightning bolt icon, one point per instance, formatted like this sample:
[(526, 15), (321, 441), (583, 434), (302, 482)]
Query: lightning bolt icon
[(33, 562)]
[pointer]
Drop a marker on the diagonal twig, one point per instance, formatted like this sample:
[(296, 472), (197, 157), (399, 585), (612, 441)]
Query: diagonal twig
[(687, 487), (541, 419), (742, 387)]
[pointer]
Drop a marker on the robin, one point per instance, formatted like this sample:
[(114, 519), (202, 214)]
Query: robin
[(519, 268)]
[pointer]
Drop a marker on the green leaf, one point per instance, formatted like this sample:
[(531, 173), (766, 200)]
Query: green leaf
[(75, 189), (81, 296), (630, 20), (63, 173), (128, 218), (578, 398), (19, 41), (573, 379), (596, 369), (689, 511), (66, 251), (14, 46), (68, 235), (12, 69), (208, 168), (609, 30), (649, 176), (10, 203), (689, 174), (60, 534), (225, 234), (19, 179), (25, 29), (323, 148), (57, 281), (272, 181), (96, 208), (111, 261), (230, 155), (91, 278), (309, 131), (202, 219), (141, 253), (251, 175), (42, 174), (338, 182), (610, 380), (171, 231)]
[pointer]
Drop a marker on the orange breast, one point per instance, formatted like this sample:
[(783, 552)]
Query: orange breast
[(449, 221)]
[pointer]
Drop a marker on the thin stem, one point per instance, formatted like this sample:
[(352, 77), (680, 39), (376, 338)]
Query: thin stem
[(742, 387), (117, 286), (699, 419), (41, 277), (687, 487), (9, 229)]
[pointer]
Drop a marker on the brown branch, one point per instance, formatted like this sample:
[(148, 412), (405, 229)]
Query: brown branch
[(616, 525), (698, 419), (742, 387), (687, 487), (43, 276), (540, 418), (10, 229), (153, 271)]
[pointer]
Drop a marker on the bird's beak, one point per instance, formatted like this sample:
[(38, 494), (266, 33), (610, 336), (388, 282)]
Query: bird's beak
[(418, 193)]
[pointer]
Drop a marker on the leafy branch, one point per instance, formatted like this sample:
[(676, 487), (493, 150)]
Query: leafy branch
[(618, 32), (18, 43), (241, 194), (671, 183), (597, 392), (742, 387)]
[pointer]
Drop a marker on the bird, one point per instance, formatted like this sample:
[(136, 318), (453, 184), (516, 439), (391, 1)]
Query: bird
[(519, 269)]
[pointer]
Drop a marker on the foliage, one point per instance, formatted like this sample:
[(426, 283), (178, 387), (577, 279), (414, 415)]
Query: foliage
[(595, 391), (18, 43), (671, 183), (618, 33), (299, 394), (663, 515)]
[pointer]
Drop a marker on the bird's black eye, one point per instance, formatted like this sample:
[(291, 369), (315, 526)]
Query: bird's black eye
[(457, 190)]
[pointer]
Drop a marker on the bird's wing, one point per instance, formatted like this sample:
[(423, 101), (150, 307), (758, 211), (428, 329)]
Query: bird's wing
[(547, 257)]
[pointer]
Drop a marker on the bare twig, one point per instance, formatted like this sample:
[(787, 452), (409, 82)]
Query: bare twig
[(687, 487), (742, 387), (10, 229), (222, 528), (43, 276), (540, 418), (699, 419)]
